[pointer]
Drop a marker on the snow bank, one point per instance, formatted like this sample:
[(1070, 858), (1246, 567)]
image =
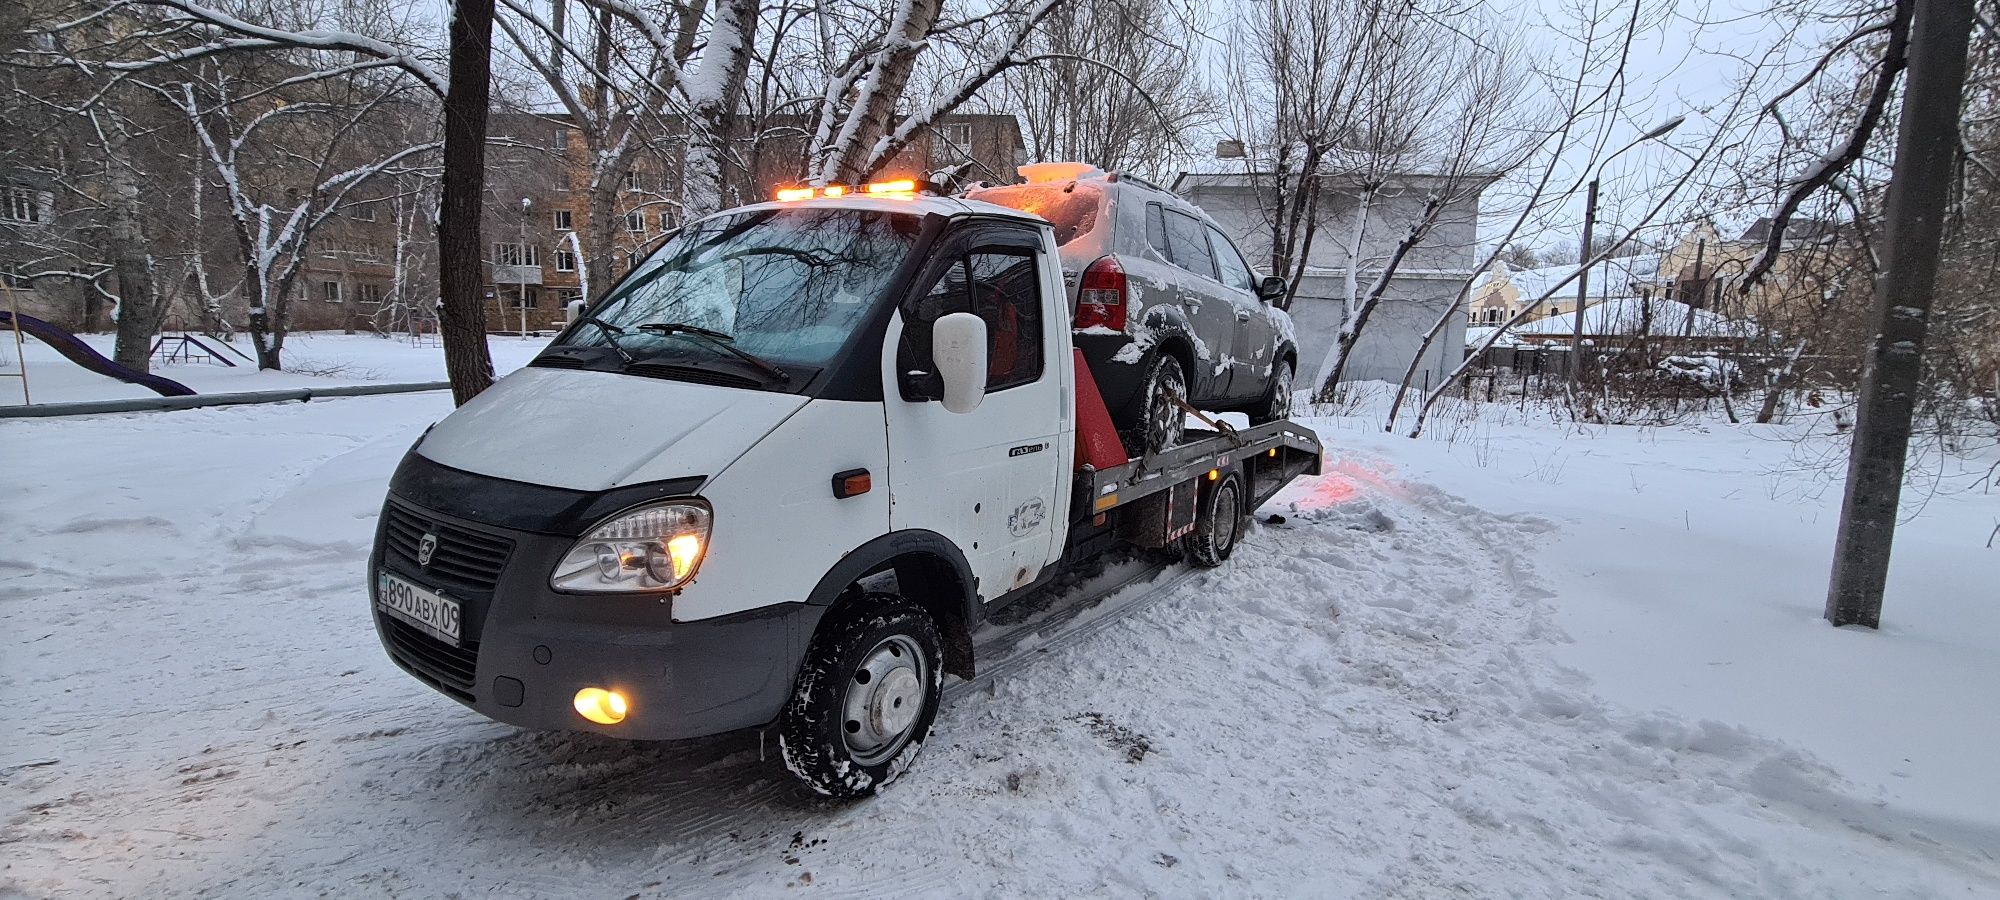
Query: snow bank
[(315, 359), (1375, 698)]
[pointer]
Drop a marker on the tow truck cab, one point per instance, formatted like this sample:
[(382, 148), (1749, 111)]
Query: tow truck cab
[(778, 474)]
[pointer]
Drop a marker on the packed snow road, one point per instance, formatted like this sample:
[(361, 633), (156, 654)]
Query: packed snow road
[(1362, 703)]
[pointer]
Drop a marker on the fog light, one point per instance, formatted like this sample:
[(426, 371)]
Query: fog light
[(601, 706)]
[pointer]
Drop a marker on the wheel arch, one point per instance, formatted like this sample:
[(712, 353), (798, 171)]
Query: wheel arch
[(930, 572), (1173, 338)]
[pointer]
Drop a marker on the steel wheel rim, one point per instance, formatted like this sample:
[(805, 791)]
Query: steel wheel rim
[(1168, 422), (1223, 530), (884, 697)]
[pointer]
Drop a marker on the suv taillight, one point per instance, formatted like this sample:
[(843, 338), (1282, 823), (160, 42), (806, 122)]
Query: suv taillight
[(1100, 300)]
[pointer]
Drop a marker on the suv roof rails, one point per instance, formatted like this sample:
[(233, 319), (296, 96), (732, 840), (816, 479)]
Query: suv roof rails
[(1121, 176)]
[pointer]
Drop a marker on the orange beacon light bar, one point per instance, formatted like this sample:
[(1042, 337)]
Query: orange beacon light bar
[(899, 188)]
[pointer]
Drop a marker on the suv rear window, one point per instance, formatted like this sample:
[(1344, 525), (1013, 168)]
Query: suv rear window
[(1070, 207)]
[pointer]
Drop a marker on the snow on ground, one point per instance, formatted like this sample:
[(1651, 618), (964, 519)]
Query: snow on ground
[(313, 359), (1513, 663)]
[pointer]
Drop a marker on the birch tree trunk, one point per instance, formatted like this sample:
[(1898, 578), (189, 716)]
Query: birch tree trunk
[(876, 99), (712, 93), (138, 313)]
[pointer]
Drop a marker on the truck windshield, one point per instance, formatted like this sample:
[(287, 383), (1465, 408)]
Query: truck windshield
[(785, 285)]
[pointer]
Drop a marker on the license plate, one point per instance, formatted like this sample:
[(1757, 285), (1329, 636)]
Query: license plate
[(423, 608)]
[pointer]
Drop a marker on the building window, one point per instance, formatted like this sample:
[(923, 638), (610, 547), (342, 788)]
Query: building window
[(666, 224), (21, 204), (559, 141), (370, 252), (565, 259), (562, 220), (11, 275), (635, 222), (633, 181), (329, 248), (370, 294), (507, 254), (329, 291), (951, 143), (363, 212)]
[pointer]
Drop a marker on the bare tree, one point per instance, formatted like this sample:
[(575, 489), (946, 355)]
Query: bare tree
[(1460, 126), (1114, 85), (858, 130)]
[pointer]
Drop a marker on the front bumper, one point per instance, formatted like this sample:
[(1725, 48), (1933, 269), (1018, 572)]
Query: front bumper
[(525, 649)]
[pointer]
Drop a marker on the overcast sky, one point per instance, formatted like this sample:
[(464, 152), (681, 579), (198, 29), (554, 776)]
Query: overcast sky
[(1688, 61)]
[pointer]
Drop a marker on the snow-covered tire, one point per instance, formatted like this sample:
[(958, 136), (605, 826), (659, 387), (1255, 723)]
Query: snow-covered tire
[(848, 729), (1163, 424), (1277, 403), (1218, 524)]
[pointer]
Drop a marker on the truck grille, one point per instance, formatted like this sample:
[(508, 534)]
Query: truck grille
[(463, 559), (450, 669)]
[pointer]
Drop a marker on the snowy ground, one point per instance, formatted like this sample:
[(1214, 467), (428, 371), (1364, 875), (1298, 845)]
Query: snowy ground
[(1519, 662), (317, 359)]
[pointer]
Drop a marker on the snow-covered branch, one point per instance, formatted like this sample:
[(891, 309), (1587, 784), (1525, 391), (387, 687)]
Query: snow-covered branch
[(254, 37)]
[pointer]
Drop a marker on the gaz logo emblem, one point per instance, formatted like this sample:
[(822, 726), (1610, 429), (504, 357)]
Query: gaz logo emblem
[(425, 548), (1027, 517)]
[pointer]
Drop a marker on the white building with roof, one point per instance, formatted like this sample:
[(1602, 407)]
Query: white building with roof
[(1425, 284)]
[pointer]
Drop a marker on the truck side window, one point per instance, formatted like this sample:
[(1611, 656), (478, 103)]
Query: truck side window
[(1190, 244), (1000, 286), (1005, 292)]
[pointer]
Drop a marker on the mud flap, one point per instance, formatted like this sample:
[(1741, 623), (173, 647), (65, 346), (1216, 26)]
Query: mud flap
[(1159, 519)]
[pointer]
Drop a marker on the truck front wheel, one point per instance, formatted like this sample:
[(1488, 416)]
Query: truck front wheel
[(866, 696), (1217, 524)]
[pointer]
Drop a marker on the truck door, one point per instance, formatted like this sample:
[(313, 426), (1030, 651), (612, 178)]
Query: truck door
[(990, 480)]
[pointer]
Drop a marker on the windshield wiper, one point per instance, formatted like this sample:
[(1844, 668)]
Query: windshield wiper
[(611, 333), (718, 340)]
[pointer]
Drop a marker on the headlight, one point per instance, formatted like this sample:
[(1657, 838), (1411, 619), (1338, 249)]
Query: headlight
[(655, 547)]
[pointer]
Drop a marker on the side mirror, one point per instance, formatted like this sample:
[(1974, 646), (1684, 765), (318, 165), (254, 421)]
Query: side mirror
[(1272, 290), (958, 349), (575, 310)]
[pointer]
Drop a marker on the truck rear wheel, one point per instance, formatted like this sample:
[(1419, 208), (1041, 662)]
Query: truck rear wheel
[(1218, 522), (866, 697)]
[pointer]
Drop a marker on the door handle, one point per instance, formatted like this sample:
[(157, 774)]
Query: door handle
[(1242, 316)]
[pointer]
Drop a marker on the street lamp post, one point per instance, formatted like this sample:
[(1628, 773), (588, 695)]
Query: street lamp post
[(1583, 255), (521, 302)]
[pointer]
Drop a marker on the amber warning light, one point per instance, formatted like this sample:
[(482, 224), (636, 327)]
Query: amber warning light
[(901, 188)]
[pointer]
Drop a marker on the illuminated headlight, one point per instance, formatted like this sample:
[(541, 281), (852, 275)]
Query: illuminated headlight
[(656, 547)]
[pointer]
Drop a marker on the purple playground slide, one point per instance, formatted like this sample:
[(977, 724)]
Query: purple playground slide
[(78, 352)]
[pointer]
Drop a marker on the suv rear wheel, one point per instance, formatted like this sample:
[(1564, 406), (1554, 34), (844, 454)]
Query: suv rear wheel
[(1278, 403), (1165, 422)]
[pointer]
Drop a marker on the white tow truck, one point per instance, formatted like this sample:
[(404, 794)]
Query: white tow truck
[(777, 477)]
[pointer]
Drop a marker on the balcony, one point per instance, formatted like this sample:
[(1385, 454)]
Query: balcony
[(517, 274)]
